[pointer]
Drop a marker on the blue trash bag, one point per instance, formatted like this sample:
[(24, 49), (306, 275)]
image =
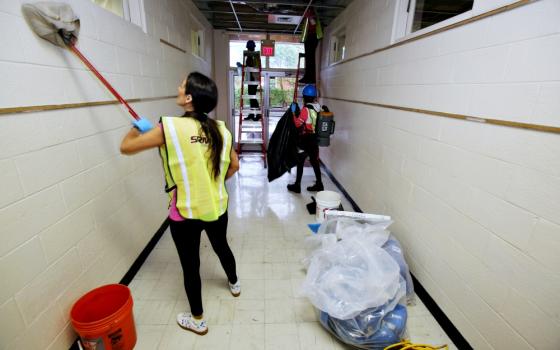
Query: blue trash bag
[(394, 249), (373, 329)]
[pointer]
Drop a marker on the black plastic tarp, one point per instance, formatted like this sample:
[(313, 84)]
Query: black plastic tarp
[(282, 148)]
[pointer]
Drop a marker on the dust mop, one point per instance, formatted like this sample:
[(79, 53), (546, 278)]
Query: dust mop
[(57, 23)]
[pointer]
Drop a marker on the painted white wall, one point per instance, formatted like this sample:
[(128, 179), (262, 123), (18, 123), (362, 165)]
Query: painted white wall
[(74, 213), (476, 206), (221, 75)]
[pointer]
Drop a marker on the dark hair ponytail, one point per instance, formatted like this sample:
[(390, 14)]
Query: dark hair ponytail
[(204, 95)]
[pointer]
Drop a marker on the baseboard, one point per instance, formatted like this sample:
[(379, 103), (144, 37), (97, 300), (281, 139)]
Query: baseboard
[(129, 275), (438, 314), (137, 264)]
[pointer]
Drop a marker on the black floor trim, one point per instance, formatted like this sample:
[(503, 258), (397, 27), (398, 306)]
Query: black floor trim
[(340, 188), (445, 323), (135, 267), (129, 275)]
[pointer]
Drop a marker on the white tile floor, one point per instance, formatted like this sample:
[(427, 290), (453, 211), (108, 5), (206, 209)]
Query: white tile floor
[(266, 230)]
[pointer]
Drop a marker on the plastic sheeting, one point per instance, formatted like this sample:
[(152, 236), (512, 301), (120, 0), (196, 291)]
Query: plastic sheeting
[(358, 278)]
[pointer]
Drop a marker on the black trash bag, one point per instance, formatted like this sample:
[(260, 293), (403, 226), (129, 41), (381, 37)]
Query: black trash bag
[(282, 149)]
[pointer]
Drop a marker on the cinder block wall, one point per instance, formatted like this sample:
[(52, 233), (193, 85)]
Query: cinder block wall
[(477, 206), (74, 213)]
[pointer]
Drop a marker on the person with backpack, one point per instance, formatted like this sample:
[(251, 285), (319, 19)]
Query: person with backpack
[(308, 144)]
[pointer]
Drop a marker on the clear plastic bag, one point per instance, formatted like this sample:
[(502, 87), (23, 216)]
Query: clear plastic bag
[(344, 223), (357, 276), (340, 224), (351, 275)]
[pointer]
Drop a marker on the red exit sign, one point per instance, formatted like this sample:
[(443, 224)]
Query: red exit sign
[(267, 48)]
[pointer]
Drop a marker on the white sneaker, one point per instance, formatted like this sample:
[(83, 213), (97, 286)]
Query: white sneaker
[(187, 321), (235, 288)]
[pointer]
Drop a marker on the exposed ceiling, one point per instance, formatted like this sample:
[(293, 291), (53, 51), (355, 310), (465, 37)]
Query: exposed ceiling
[(253, 14)]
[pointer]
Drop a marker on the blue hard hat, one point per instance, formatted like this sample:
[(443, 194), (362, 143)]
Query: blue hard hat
[(250, 45), (310, 91)]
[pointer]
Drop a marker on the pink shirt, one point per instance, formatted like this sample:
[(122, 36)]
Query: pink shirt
[(173, 211)]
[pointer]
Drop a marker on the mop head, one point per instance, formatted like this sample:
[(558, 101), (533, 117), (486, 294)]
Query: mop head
[(53, 21)]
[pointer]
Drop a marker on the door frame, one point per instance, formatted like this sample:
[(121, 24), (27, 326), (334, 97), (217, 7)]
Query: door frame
[(234, 112)]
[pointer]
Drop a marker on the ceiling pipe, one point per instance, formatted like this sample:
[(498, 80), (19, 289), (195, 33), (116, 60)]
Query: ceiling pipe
[(302, 16), (235, 14)]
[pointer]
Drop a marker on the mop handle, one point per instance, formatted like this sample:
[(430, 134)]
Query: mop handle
[(105, 82)]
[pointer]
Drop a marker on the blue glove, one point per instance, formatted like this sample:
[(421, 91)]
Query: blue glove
[(143, 125), (293, 106)]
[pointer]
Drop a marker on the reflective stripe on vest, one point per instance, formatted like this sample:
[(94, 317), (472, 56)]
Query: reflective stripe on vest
[(311, 119), (187, 166)]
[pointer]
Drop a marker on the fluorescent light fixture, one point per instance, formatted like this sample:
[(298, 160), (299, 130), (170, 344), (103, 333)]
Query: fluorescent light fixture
[(284, 19)]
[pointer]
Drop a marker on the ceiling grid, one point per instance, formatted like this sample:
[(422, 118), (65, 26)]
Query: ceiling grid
[(253, 15)]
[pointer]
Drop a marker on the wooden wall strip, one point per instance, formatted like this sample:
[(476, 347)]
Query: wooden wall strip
[(171, 45), (518, 125), (27, 109), (437, 31)]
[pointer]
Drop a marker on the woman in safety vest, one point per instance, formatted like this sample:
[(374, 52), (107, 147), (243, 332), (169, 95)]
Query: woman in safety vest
[(307, 142), (197, 158)]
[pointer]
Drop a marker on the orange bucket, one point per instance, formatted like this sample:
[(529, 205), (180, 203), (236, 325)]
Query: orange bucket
[(103, 318)]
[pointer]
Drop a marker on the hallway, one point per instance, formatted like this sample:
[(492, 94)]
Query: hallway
[(447, 120), (267, 226)]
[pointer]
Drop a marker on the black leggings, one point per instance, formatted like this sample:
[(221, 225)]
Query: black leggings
[(186, 235), (308, 143)]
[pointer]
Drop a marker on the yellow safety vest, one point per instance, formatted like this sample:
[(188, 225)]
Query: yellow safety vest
[(187, 166), (312, 119), (318, 29)]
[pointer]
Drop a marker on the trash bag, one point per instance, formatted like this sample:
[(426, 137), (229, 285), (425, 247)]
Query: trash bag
[(351, 275), (342, 224), (372, 329), (339, 224), (282, 149), (357, 277), (393, 248)]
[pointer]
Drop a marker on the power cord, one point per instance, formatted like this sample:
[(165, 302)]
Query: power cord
[(407, 345)]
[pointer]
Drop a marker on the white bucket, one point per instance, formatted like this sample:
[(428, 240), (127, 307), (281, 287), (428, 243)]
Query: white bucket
[(326, 200)]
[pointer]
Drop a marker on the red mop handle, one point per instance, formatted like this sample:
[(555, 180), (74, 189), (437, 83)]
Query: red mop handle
[(105, 82)]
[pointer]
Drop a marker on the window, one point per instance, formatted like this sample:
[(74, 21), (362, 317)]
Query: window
[(130, 10), (430, 12), (338, 47), (197, 43), (287, 49), (236, 48), (115, 6), (416, 15), (286, 56)]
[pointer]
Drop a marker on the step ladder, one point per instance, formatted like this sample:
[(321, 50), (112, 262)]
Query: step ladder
[(249, 128)]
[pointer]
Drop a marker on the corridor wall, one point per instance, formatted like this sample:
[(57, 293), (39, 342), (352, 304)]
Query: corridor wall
[(475, 204), (74, 213)]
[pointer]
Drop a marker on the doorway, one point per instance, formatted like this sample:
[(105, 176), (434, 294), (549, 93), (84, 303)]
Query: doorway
[(277, 94)]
